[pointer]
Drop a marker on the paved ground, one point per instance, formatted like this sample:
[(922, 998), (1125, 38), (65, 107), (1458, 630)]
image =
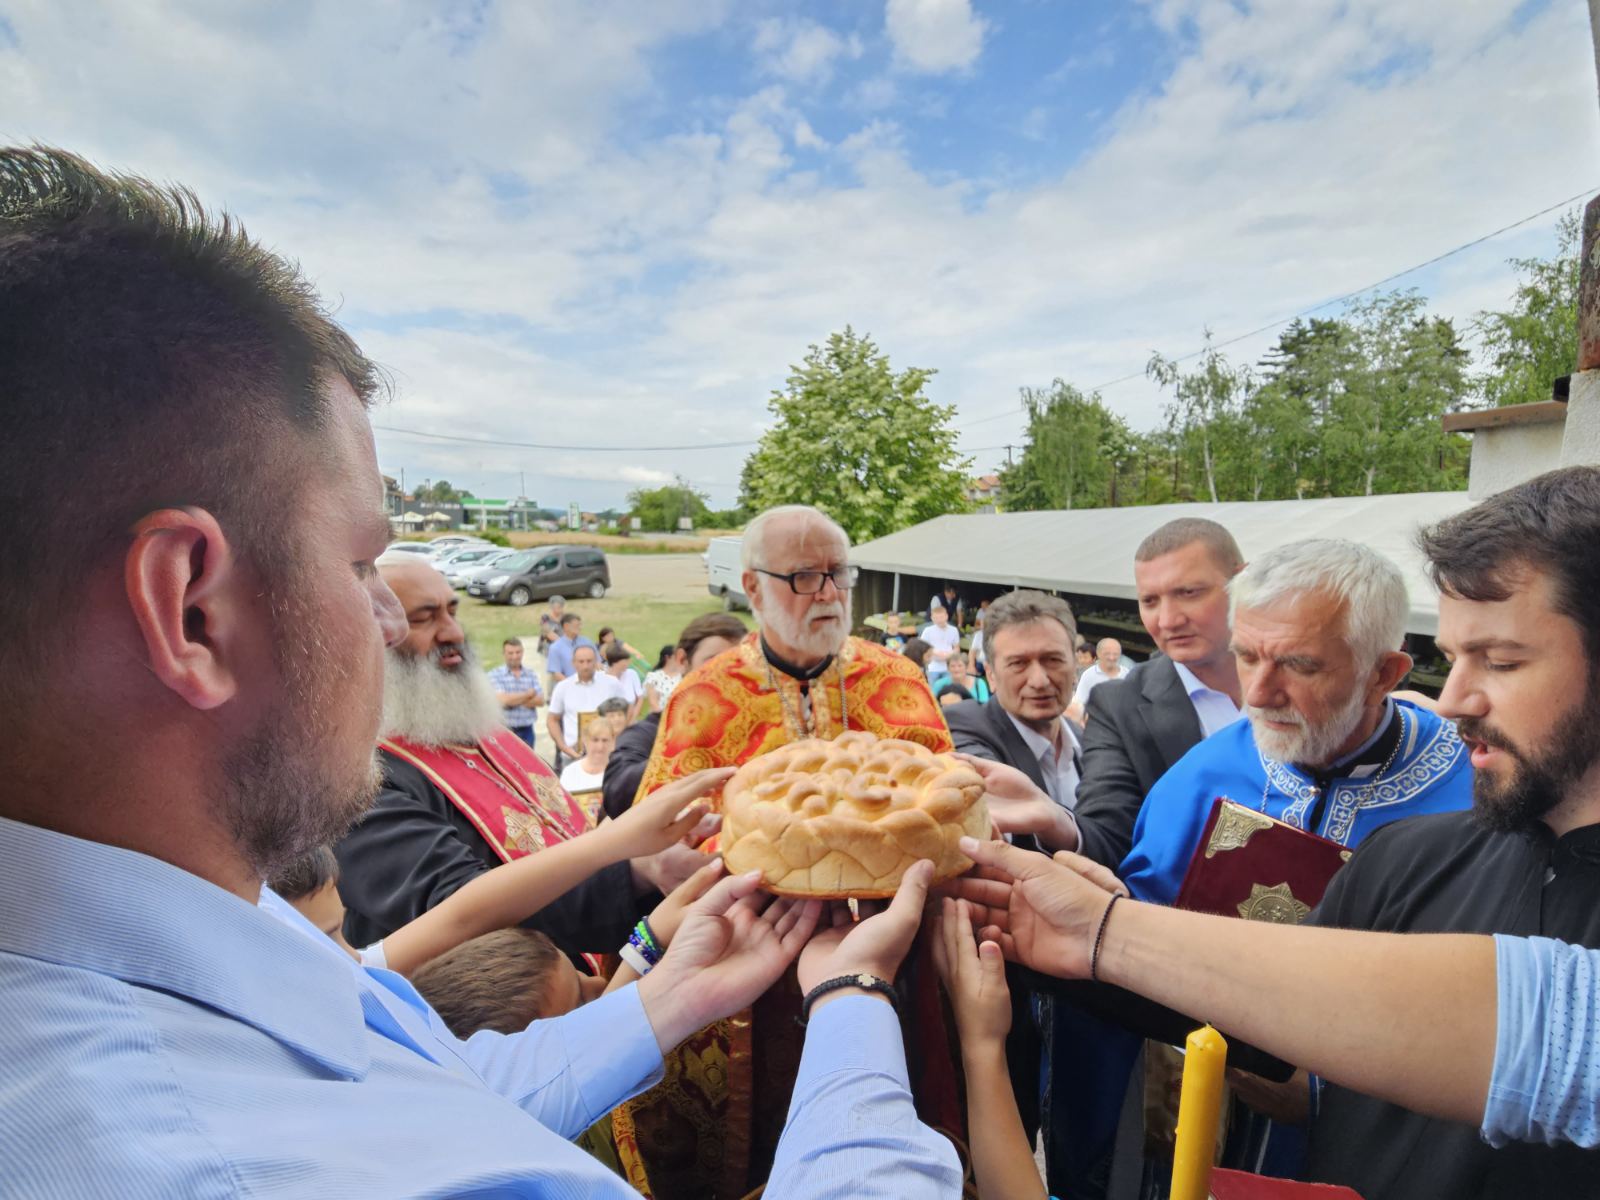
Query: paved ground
[(667, 577)]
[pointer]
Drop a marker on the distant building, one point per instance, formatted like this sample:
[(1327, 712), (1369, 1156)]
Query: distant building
[(983, 493)]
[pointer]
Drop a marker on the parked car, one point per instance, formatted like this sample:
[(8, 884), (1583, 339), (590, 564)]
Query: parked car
[(467, 552), (545, 571), (421, 549), (723, 572), (459, 573), (438, 548)]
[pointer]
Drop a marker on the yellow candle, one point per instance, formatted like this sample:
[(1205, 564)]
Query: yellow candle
[(1199, 1107)]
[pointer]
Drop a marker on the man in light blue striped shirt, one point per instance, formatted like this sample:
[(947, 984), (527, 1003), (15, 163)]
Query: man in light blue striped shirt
[(168, 1028)]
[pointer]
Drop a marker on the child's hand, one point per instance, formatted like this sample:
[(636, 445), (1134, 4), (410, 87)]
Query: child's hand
[(668, 915), (666, 815), (974, 975)]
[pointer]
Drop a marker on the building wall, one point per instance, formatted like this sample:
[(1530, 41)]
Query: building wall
[(1580, 442), (1513, 454)]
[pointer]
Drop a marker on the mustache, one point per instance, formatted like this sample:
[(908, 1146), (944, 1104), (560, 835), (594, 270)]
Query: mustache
[(1476, 729), (1285, 716)]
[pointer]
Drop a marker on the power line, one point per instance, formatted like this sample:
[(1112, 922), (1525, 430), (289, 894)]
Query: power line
[(1098, 387), (498, 443), (1306, 312)]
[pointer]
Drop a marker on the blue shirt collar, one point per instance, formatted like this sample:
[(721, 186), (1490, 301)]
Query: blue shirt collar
[(150, 924)]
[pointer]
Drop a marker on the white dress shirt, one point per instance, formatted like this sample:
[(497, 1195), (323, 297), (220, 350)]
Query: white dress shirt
[(1060, 774), (1093, 678), (162, 1037), (1215, 709)]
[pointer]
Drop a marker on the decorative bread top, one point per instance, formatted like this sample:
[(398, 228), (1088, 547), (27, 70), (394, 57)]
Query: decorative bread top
[(847, 817)]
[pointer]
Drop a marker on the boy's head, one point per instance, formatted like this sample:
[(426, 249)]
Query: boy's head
[(891, 623), (503, 981), (615, 710), (616, 655), (311, 884)]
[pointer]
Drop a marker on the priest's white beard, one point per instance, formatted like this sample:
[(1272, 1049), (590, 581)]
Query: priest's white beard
[(1310, 745), (427, 704), (800, 638)]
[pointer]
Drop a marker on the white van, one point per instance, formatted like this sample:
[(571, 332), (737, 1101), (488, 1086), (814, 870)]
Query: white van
[(723, 571)]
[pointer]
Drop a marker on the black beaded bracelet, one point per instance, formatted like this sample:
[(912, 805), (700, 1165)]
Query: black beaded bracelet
[(1100, 936), (870, 983)]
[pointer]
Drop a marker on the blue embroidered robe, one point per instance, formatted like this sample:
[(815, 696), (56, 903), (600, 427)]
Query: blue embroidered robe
[(1431, 773)]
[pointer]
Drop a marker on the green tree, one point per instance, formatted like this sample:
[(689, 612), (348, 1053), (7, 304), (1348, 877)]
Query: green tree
[(659, 509), (1073, 452), (441, 493), (1534, 342), (1207, 414), (860, 442)]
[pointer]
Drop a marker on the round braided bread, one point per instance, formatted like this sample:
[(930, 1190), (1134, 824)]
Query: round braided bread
[(847, 817)]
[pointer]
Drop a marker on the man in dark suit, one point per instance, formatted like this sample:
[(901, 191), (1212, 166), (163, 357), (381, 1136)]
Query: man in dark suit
[(1028, 639), (1137, 727)]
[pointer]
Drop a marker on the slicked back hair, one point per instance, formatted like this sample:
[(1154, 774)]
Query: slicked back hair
[(1551, 524), (1023, 608), (151, 356), (1185, 531)]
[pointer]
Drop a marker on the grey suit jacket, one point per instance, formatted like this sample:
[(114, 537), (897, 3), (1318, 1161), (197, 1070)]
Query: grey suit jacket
[(1136, 729)]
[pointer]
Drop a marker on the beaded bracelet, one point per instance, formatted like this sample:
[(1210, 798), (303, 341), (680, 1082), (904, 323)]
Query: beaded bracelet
[(1100, 936), (645, 946), (643, 930)]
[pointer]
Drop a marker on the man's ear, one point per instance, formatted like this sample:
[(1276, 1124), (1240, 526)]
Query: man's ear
[(183, 587), (1392, 668)]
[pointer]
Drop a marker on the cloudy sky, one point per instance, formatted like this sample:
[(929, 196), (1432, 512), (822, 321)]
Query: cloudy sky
[(618, 224)]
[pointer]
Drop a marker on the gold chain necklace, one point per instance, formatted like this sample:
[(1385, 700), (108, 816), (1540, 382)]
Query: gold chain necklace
[(791, 719)]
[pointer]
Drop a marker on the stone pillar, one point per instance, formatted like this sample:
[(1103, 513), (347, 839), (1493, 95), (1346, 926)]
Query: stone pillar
[(1580, 440)]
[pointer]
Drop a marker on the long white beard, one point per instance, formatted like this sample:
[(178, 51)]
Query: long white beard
[(426, 704), (1310, 745), (798, 636)]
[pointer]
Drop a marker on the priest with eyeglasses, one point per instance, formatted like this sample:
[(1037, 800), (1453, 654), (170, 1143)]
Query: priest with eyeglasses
[(710, 1128)]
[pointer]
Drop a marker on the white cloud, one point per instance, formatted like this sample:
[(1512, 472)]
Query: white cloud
[(800, 50), (935, 36), (533, 272)]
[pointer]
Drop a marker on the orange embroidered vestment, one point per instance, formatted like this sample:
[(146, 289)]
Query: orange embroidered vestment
[(710, 1128)]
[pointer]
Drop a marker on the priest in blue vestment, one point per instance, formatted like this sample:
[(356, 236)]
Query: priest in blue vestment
[(1317, 629)]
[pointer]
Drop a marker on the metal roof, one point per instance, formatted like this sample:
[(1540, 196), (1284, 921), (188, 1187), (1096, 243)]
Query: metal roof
[(1090, 551)]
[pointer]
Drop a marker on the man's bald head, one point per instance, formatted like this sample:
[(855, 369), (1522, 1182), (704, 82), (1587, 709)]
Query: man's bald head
[(1108, 653)]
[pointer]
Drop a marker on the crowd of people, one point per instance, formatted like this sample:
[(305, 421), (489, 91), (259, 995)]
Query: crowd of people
[(334, 927)]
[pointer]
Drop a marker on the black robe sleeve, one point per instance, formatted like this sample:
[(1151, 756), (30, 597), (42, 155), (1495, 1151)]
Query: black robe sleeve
[(413, 848)]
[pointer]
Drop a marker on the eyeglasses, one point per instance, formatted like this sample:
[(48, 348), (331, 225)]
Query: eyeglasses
[(809, 583)]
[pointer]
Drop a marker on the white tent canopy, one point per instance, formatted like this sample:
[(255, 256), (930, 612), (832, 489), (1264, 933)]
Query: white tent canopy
[(1090, 551)]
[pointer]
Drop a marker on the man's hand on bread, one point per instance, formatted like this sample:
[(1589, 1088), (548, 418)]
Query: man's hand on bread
[(874, 946), (1018, 805)]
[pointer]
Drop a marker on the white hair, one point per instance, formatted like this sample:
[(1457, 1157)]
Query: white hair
[(753, 544), (1369, 585)]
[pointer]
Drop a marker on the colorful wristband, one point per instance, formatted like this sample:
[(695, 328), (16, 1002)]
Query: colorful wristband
[(634, 959), (646, 949)]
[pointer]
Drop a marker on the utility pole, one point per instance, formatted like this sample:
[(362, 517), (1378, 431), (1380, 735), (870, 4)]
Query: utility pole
[(1008, 458)]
